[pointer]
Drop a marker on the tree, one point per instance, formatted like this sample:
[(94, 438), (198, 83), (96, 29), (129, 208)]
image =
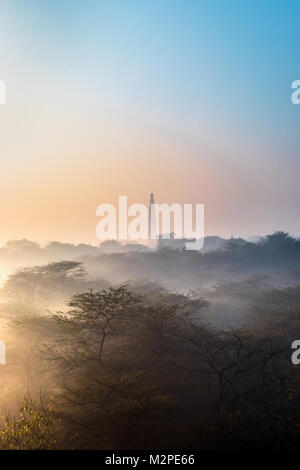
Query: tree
[(35, 427), (22, 284), (92, 314), (110, 350), (35, 282), (64, 270)]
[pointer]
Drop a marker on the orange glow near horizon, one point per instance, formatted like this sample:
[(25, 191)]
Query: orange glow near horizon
[(92, 114)]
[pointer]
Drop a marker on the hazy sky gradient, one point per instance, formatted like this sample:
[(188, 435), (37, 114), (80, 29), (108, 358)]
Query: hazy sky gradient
[(189, 100)]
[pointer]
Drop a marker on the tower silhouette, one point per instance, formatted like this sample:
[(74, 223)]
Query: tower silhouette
[(151, 219)]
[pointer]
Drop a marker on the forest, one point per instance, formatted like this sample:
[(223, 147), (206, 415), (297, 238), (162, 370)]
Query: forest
[(127, 347)]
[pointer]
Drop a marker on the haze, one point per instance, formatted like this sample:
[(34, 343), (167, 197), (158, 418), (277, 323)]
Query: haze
[(191, 102)]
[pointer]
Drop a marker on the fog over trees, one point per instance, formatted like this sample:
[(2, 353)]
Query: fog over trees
[(122, 346)]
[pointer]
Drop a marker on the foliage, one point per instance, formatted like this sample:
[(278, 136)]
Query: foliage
[(36, 427)]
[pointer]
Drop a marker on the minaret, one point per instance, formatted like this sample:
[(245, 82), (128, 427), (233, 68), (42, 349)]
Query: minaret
[(151, 221)]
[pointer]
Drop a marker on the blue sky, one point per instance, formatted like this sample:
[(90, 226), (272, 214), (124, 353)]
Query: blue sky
[(202, 88)]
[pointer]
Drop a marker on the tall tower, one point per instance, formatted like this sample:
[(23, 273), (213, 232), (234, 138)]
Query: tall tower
[(151, 216)]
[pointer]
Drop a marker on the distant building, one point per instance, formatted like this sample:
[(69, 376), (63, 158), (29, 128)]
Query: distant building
[(172, 243), (163, 241)]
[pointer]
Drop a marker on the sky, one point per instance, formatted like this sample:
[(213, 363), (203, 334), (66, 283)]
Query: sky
[(188, 100)]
